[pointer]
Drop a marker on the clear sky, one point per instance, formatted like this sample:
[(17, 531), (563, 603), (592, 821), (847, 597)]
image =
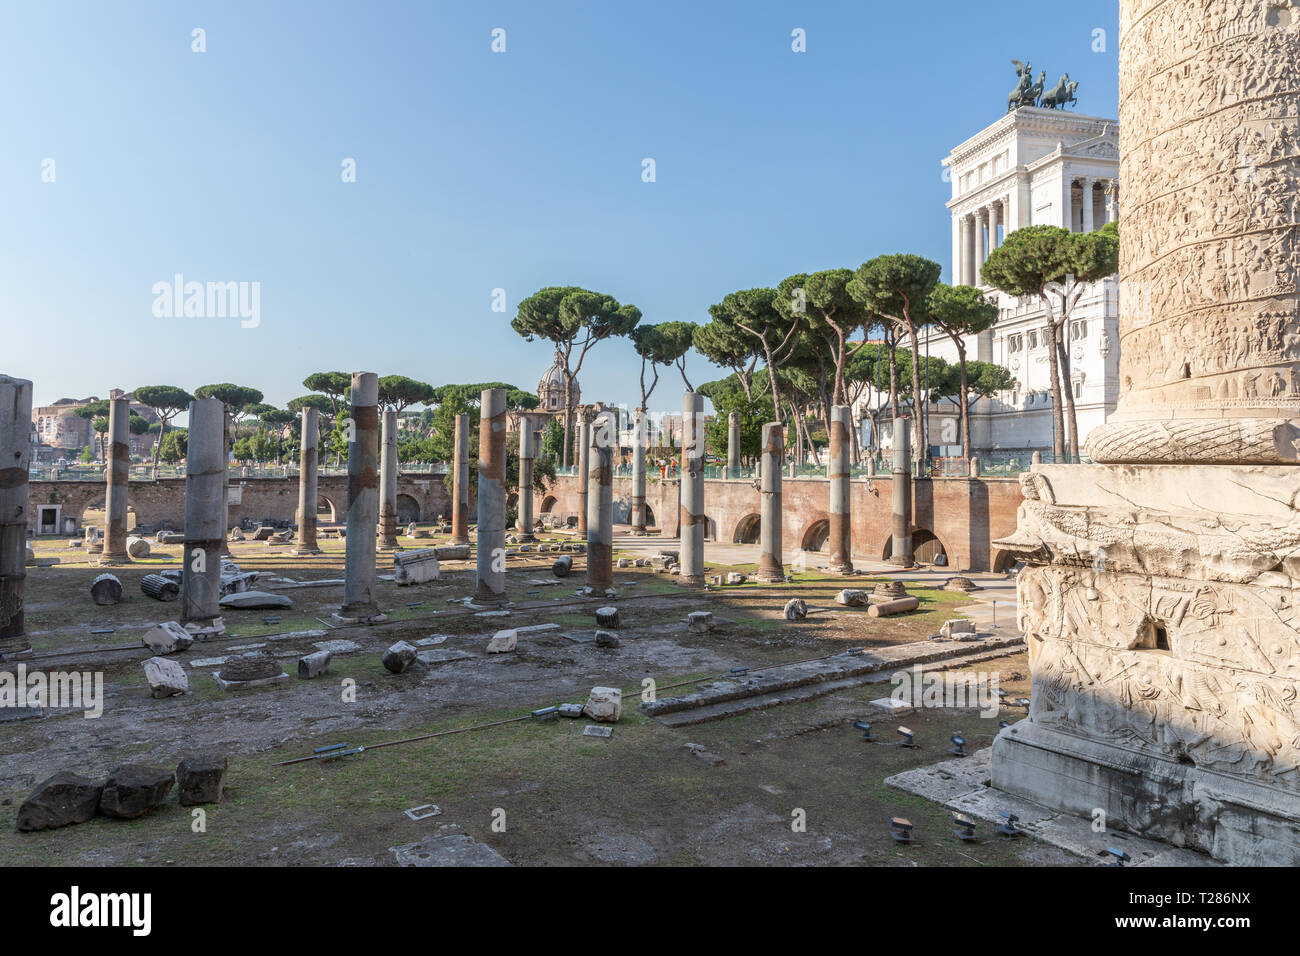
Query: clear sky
[(474, 170)]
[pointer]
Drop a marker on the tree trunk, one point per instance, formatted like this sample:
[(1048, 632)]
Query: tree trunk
[(965, 391), (1058, 419), (918, 406)]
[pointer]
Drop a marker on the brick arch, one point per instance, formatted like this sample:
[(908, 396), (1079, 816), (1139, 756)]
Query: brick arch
[(815, 532), (926, 546), (747, 529), (548, 503), (1002, 561), (408, 509), (329, 504)]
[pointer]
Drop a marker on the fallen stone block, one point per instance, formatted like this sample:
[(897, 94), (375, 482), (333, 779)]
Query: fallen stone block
[(701, 622), (61, 800), (563, 566), (399, 658), (503, 641), (253, 668), (134, 789), (166, 678), (735, 577), (606, 639), (623, 563), (137, 547), (958, 626), (607, 617), (236, 581), (105, 590), (452, 552), (796, 609), (415, 567), (167, 638), (201, 778), (249, 600), (170, 537), (852, 597), (263, 533), (30, 560), (313, 665), (160, 587), (604, 704), (888, 608), (570, 710), (235, 535)]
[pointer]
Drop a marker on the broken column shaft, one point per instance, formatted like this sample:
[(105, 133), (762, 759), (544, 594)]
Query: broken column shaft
[(15, 460), (733, 445), (693, 520), (840, 541), (307, 495), (584, 467), (769, 528), (363, 500), (902, 482), (205, 496), (388, 481), (600, 503), (118, 476), (492, 495), (638, 471), (527, 452), (460, 483)]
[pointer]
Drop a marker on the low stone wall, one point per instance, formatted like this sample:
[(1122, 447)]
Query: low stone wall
[(421, 497), (963, 514)]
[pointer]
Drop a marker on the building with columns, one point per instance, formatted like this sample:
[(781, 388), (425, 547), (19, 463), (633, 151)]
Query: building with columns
[(1033, 166)]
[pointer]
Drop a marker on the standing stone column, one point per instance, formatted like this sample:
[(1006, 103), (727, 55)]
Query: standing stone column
[(902, 493), (693, 520), (225, 490), (733, 445), (15, 461), (600, 503), (769, 512), (527, 452), (460, 483), (119, 477), (638, 471), (388, 481), (308, 499), (363, 502), (840, 541), (492, 495), (205, 497), (584, 466)]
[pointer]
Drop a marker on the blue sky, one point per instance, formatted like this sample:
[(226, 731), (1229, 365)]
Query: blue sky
[(475, 170)]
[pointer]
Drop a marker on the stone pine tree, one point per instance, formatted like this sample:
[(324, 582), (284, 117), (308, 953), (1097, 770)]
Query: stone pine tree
[(676, 339), (399, 392), (167, 401), (962, 312), (92, 412), (823, 302), (897, 287), (753, 312), (726, 345), (333, 385), (575, 320), (649, 346), (1055, 266)]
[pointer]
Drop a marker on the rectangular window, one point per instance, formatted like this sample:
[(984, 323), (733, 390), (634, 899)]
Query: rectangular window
[(1033, 338)]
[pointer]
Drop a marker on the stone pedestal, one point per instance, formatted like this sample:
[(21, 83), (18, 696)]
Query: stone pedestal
[(1160, 612), (1159, 596)]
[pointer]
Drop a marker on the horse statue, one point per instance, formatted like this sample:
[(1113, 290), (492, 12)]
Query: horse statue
[(1024, 84), (1062, 94)]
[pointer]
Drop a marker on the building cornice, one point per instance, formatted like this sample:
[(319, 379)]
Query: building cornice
[(1028, 119)]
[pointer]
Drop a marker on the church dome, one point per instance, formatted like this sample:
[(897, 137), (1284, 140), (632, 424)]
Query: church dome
[(551, 387)]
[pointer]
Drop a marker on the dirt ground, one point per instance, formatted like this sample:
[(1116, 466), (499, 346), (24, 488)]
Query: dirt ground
[(536, 792)]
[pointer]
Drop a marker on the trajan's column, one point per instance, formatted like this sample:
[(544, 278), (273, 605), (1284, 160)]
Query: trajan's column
[(1160, 597)]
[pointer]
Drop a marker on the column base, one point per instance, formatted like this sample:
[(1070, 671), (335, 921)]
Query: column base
[(206, 630), (15, 648), (694, 581), (113, 560), (1241, 822), (769, 577), (304, 551), (359, 614), (458, 542), (525, 537), (843, 568)]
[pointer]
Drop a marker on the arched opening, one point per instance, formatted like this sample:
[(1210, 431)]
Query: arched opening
[(650, 521), (408, 509), (926, 548), (710, 529), (814, 538), (1003, 561), (747, 531), (547, 504), (1154, 636), (325, 510)]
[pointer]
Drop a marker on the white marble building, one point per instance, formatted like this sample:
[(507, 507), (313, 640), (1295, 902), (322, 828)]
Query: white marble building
[(1032, 167)]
